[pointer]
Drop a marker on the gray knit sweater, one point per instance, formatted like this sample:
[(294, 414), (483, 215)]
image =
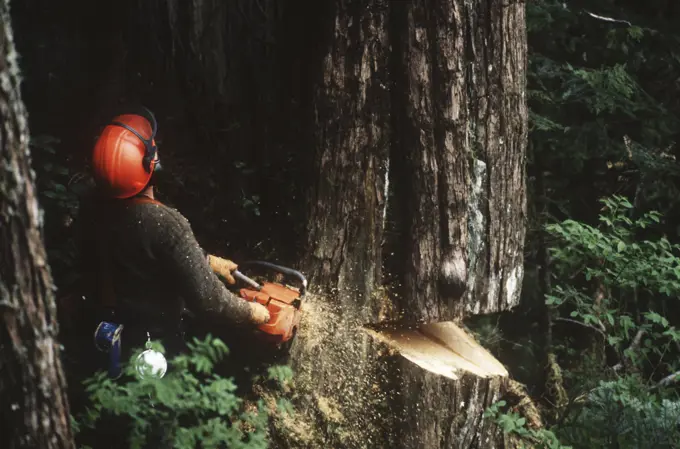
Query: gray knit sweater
[(155, 263)]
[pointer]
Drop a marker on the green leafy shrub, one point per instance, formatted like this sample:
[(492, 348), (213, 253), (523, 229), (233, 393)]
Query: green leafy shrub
[(620, 414), (624, 414), (193, 407), (513, 424), (613, 273), (613, 279)]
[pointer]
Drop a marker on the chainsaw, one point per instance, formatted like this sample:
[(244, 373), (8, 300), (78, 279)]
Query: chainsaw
[(282, 300)]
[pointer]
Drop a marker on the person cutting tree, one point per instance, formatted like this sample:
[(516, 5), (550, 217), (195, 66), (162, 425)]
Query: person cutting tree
[(145, 265)]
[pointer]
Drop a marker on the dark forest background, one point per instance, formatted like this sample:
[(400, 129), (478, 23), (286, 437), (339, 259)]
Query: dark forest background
[(231, 84), (219, 109)]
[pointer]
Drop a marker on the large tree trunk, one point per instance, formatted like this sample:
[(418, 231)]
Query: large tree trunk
[(34, 409), (456, 122), (460, 112)]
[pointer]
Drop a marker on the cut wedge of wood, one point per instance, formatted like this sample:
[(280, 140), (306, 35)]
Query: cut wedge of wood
[(441, 348)]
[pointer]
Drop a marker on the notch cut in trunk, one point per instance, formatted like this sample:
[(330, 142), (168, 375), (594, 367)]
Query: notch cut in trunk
[(441, 348)]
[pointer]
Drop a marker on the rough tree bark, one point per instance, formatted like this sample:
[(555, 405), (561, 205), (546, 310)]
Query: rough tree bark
[(459, 108), (460, 121), (34, 409), (347, 115), (456, 120), (350, 104)]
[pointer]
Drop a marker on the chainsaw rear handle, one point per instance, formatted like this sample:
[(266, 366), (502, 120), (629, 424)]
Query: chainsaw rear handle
[(278, 268)]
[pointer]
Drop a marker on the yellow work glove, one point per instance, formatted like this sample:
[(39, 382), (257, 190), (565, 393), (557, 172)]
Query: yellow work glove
[(223, 267), (258, 313)]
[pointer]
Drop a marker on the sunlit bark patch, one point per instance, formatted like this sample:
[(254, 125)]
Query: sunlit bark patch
[(441, 348)]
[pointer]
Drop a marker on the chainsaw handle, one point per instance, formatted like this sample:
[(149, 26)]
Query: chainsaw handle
[(242, 277), (283, 270)]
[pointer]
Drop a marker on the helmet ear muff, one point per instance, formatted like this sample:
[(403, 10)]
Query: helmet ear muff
[(150, 161)]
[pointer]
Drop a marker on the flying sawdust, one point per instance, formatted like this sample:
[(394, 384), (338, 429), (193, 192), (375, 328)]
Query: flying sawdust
[(335, 377), (340, 386)]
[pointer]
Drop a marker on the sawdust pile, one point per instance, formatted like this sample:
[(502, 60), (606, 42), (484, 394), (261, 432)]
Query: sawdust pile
[(343, 388), (336, 387)]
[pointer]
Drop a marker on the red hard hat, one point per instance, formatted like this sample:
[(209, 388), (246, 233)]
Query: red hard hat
[(125, 155)]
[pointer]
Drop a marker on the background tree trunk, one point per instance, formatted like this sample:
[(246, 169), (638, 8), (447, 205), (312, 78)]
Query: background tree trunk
[(34, 409)]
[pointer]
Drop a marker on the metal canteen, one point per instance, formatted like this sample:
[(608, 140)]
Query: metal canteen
[(153, 363)]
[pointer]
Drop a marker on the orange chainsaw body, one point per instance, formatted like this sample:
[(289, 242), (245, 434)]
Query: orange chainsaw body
[(283, 304)]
